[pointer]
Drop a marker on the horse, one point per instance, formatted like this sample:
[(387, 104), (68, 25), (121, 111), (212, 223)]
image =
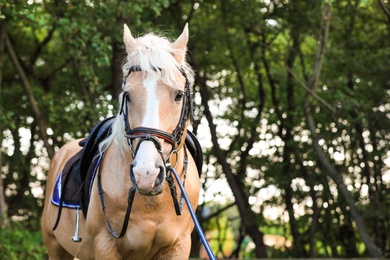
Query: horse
[(146, 139)]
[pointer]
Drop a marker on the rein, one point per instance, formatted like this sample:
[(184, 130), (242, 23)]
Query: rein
[(194, 218), (130, 200)]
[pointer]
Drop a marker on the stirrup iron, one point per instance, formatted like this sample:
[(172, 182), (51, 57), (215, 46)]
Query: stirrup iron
[(76, 237)]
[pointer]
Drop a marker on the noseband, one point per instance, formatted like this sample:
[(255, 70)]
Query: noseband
[(152, 134)]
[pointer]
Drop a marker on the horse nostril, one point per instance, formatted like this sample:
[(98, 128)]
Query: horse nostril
[(160, 177)]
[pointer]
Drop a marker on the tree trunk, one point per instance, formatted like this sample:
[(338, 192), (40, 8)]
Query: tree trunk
[(117, 75), (287, 135), (330, 170), (248, 217), (4, 220), (38, 116)]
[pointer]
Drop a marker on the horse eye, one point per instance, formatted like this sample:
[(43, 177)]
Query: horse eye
[(179, 96)]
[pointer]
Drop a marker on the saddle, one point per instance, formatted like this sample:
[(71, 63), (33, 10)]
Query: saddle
[(73, 186)]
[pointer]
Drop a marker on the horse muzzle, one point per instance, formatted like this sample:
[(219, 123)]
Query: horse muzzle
[(147, 171), (148, 179)]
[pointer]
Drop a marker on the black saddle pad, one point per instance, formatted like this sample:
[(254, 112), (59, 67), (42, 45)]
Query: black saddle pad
[(72, 189), (68, 184)]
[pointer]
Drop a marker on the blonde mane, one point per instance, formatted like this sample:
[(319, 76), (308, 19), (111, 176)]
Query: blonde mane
[(154, 54)]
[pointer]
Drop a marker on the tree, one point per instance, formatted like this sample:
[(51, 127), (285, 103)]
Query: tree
[(333, 173), (4, 221), (311, 146)]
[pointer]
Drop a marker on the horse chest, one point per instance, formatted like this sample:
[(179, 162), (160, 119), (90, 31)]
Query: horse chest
[(149, 238), (150, 232)]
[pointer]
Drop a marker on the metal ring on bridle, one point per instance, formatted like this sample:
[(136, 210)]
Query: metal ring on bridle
[(170, 156)]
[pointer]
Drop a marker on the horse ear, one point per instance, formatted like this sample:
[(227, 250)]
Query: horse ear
[(128, 39), (180, 45)]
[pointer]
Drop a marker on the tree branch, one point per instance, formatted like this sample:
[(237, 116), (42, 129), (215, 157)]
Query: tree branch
[(215, 214), (310, 91), (241, 98), (38, 116), (384, 8), (45, 41)]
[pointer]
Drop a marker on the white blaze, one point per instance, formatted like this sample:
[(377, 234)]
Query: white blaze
[(147, 155), (151, 118)]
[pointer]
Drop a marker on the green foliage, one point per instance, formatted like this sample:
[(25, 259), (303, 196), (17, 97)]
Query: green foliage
[(17, 242), (72, 51)]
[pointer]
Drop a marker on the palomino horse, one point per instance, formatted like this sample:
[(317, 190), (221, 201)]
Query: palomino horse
[(146, 138)]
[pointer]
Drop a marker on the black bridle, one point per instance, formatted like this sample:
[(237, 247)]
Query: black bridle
[(153, 135)]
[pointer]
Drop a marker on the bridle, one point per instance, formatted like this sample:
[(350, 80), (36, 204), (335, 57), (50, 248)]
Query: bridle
[(153, 135)]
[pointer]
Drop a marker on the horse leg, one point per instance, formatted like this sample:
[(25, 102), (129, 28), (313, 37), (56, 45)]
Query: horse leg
[(106, 247), (54, 248), (180, 250)]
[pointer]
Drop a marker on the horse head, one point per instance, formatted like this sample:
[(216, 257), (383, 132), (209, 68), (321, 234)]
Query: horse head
[(156, 105)]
